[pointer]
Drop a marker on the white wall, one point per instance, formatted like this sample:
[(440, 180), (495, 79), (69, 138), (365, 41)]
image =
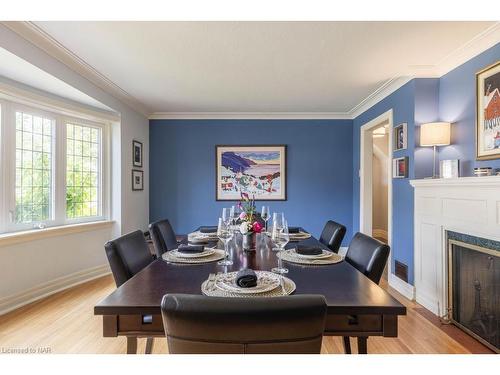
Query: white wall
[(42, 266)]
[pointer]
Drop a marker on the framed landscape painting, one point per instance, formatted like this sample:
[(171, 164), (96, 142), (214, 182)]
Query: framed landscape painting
[(259, 171), (488, 113)]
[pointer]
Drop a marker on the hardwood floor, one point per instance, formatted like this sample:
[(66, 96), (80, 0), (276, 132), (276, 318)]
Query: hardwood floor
[(65, 323)]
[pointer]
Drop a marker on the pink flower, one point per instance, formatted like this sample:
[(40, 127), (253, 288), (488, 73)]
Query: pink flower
[(243, 215), (257, 227), (245, 196)]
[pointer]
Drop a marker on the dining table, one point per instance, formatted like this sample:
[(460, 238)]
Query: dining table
[(357, 307)]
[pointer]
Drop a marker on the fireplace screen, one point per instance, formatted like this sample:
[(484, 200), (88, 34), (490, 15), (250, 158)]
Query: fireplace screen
[(474, 289)]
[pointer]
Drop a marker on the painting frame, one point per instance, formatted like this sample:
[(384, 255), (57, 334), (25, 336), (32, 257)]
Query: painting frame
[(400, 167), (136, 153), (140, 185), (400, 137), (490, 73), (220, 195)]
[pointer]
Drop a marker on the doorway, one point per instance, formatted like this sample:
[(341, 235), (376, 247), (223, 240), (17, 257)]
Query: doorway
[(376, 180)]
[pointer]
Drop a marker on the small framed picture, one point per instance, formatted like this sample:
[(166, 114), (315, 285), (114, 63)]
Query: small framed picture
[(488, 113), (400, 137), (137, 153), (449, 168), (137, 180), (400, 167)]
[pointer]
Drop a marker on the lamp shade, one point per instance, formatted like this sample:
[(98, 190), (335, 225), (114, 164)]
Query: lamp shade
[(435, 134)]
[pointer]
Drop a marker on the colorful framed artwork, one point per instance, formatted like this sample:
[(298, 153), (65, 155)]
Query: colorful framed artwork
[(488, 113), (137, 153), (259, 171), (137, 180), (400, 167), (400, 137)]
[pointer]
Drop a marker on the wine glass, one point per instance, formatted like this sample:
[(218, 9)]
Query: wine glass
[(265, 215), (280, 237), (278, 220), (234, 216), (225, 234), (226, 215)]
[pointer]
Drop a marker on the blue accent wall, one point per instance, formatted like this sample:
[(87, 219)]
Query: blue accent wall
[(402, 102), (323, 158), (457, 104), (449, 98), (319, 169)]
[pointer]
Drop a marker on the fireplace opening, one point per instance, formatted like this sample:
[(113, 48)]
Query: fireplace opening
[(474, 287)]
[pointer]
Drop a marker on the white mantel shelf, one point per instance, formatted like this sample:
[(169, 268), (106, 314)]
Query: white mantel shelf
[(461, 181), (469, 205)]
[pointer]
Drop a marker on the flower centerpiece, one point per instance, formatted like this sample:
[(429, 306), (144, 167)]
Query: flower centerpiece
[(250, 225)]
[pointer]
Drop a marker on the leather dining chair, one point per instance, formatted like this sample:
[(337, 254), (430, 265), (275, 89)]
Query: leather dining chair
[(332, 235), (127, 255), (163, 237), (196, 324), (369, 256)]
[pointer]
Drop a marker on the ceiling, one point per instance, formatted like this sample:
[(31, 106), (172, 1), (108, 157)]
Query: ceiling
[(16, 69), (313, 67)]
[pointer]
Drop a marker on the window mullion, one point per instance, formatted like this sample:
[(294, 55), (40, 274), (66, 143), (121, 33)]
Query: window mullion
[(10, 165), (60, 172)]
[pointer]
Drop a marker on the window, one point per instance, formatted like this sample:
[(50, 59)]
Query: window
[(52, 169), (33, 187), (83, 145)]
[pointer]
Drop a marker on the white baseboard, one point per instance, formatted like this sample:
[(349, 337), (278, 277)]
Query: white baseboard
[(382, 233), (46, 289), (402, 287)]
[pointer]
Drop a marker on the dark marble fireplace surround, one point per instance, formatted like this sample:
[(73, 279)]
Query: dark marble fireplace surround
[(474, 286)]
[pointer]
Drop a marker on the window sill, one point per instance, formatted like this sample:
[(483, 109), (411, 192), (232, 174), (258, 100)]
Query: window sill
[(36, 234)]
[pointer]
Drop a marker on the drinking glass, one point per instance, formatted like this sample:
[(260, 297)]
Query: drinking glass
[(226, 215), (225, 234), (280, 238), (265, 215), (234, 216), (278, 220)]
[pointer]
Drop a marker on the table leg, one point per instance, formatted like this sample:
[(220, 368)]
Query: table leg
[(149, 345), (131, 345), (362, 345), (347, 344)]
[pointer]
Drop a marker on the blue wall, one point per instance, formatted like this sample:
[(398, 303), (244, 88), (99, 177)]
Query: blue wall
[(450, 98), (323, 157), (402, 102), (319, 169), (457, 104)]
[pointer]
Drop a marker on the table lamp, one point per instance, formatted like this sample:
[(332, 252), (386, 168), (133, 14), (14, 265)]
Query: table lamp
[(435, 134)]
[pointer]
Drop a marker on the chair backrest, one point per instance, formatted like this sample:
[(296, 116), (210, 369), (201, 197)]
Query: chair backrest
[(332, 235), (127, 255), (196, 324), (368, 256), (163, 236)]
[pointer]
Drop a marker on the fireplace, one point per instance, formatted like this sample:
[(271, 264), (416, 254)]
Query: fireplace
[(474, 286)]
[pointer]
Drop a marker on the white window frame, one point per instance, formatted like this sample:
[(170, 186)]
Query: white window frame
[(8, 109)]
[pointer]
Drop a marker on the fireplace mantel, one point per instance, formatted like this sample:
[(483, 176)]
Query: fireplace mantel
[(469, 205)]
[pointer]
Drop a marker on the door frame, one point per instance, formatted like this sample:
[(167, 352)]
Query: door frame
[(365, 177)]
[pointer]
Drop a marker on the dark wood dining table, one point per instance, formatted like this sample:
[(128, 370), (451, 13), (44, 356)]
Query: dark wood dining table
[(357, 307)]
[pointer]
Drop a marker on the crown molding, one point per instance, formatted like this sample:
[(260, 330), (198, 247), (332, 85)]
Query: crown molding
[(382, 92), (250, 116), (480, 43), (38, 37)]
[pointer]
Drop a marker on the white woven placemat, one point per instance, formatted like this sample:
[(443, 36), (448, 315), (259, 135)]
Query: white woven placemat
[(217, 255), (209, 288), (290, 256)]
